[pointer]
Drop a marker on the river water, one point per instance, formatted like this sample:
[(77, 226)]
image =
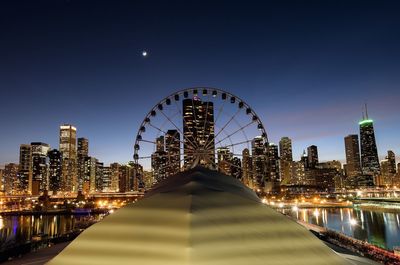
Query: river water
[(379, 228), (15, 230), (376, 227)]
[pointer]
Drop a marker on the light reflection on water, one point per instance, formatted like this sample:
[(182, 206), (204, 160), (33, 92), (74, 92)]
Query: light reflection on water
[(376, 227), (20, 229)]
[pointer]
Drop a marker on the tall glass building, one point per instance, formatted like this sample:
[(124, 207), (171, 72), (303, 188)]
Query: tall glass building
[(369, 152), (69, 153)]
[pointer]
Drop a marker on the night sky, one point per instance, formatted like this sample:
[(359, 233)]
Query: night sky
[(306, 67)]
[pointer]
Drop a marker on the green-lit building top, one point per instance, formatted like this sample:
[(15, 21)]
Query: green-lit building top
[(365, 122)]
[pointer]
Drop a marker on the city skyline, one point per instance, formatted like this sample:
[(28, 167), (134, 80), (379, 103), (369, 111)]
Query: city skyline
[(296, 156), (307, 75)]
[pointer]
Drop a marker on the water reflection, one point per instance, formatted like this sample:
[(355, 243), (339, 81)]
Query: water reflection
[(379, 228), (20, 229)]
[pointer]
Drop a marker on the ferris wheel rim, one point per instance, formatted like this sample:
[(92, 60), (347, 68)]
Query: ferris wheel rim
[(191, 89)]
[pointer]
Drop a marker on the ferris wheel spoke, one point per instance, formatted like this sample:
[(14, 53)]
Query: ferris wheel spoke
[(220, 109), (177, 128), (143, 157), (227, 123), (147, 141), (162, 131), (239, 143), (238, 130)]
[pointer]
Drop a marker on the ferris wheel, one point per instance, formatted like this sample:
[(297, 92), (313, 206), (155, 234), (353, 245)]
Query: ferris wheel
[(200, 126)]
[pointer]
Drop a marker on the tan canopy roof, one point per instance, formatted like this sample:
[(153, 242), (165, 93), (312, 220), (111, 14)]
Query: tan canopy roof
[(198, 217)]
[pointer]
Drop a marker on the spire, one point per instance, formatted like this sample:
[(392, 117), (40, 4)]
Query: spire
[(366, 111)]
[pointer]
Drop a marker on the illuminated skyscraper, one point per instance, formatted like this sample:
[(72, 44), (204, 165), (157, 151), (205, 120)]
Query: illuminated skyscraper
[(388, 170), (312, 154), (236, 168), (123, 182), (114, 177), (298, 173), (273, 177), (391, 157), (258, 152), (89, 180), (224, 159), (172, 148), (82, 153), (83, 147), (352, 149), (273, 162), (159, 160), (55, 169), (247, 168), (25, 168), (198, 130), (1, 180), (286, 158), (369, 152), (69, 154), (106, 180), (39, 167), (10, 175), (99, 176)]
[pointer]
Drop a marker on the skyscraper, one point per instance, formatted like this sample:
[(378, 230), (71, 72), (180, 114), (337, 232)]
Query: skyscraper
[(352, 150), (369, 152), (10, 175), (273, 177), (236, 168), (114, 167), (123, 181), (106, 180), (391, 157), (159, 160), (172, 148), (83, 147), (247, 168), (25, 168), (55, 169), (388, 170), (82, 153), (198, 130), (69, 154), (259, 158), (39, 167), (312, 154), (224, 160), (286, 158), (1, 180), (99, 176), (89, 180)]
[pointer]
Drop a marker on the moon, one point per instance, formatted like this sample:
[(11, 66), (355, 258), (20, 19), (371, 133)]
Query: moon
[(144, 53)]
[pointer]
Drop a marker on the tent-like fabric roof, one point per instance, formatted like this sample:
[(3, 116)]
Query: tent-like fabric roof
[(198, 217)]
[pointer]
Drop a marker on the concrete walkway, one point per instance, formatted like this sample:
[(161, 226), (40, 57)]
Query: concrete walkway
[(40, 257)]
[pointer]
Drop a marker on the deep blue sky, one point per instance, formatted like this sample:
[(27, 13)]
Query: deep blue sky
[(306, 67)]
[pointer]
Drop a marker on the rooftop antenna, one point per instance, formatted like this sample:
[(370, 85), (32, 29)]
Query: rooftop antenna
[(366, 111)]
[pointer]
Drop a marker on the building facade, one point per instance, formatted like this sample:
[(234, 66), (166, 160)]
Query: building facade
[(55, 170), (40, 181), (198, 130), (369, 153), (25, 168), (286, 159), (68, 149), (312, 154)]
